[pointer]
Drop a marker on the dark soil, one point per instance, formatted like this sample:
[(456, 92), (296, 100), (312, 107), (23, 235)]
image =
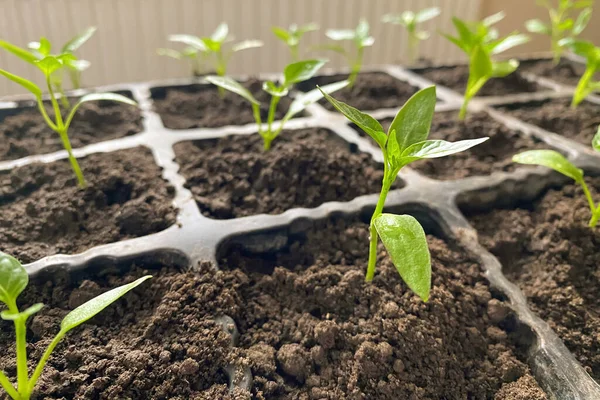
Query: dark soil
[(557, 116), (491, 156), (44, 212), (159, 342), (456, 77), (313, 329), (233, 177), (566, 72), (372, 90), (201, 106), (550, 252), (26, 133)]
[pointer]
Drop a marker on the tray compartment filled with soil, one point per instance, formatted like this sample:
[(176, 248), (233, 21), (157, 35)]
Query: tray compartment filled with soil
[(566, 72)]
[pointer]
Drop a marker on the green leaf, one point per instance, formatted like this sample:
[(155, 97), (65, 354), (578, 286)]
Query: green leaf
[(281, 33), (220, 34), (406, 243), (427, 14), (79, 65), (107, 96), (247, 44), (596, 140), (189, 40), (394, 19), (582, 20), (340, 34), (19, 52), (44, 46), (75, 43), (49, 65), (509, 42), (301, 71), (504, 68), (565, 25), (169, 53), (493, 19), (13, 278), (310, 27), (32, 87), (464, 33), (457, 42), (362, 30), (364, 121), (413, 121), (581, 47), (233, 86), (537, 26), (274, 90), (480, 65), (439, 148), (368, 41), (305, 99), (89, 309), (8, 316), (551, 159)]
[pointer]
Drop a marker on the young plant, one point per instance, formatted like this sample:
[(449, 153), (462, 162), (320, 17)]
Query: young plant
[(562, 25), (360, 38), (50, 66), (586, 85), (556, 161), (480, 42), (291, 37), (192, 53), (13, 280), (410, 21), (405, 142), (292, 74)]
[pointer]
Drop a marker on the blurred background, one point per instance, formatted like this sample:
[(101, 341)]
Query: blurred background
[(129, 31)]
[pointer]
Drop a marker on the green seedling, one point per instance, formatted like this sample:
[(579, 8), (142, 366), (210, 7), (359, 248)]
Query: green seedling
[(405, 142), (13, 280), (196, 57), (360, 38), (480, 41), (410, 20), (291, 37), (294, 73), (586, 85), (562, 25), (556, 161), (49, 66)]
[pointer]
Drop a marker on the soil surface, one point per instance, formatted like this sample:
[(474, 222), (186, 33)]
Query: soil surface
[(44, 212), (371, 90), (233, 177), (26, 133), (456, 77), (313, 329), (550, 252), (566, 72), (201, 106), (159, 342), (556, 115), (491, 156)]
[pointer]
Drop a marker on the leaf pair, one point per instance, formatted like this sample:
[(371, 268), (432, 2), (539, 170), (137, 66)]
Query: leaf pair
[(292, 36), (410, 20), (359, 35)]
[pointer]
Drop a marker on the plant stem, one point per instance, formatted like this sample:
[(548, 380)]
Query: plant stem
[(595, 210), (221, 70), (268, 135), (42, 363), (355, 67), (388, 179), (413, 48), (294, 53), (10, 389), (21, 344), (463, 109)]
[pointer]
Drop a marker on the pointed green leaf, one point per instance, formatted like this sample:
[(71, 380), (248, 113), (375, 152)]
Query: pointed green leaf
[(509, 42), (19, 52), (305, 99), (340, 34), (233, 86), (537, 26), (32, 87), (551, 159), (220, 34), (427, 14), (190, 40), (281, 33), (310, 27), (169, 53), (89, 309), (75, 43), (13, 278), (413, 121), (481, 64), (49, 65), (596, 140), (440, 148), (274, 90), (504, 68), (8, 316), (493, 19), (107, 96), (364, 121), (79, 65), (464, 33), (44, 46), (457, 42), (362, 30), (406, 243), (247, 44), (301, 71), (582, 21)]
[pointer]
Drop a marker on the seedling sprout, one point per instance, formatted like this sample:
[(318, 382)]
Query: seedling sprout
[(410, 21), (291, 37), (586, 85)]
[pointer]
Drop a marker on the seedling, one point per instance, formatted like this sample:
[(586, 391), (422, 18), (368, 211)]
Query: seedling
[(292, 74), (195, 56), (13, 280), (410, 21), (49, 66), (360, 38), (480, 42), (556, 161), (291, 37), (562, 25), (405, 142), (586, 85)]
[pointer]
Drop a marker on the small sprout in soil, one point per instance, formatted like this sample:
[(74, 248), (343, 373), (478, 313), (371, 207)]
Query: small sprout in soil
[(192, 53), (50, 66), (291, 37), (294, 73), (556, 161), (562, 25), (480, 42), (410, 21), (586, 85), (405, 142), (359, 37), (13, 280)]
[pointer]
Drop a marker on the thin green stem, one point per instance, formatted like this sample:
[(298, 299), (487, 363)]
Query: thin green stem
[(271, 115), (64, 137), (8, 387), (21, 343), (257, 118), (63, 99), (413, 48), (594, 210), (356, 66), (42, 109), (463, 108), (294, 53), (57, 114), (221, 69), (40, 367)]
